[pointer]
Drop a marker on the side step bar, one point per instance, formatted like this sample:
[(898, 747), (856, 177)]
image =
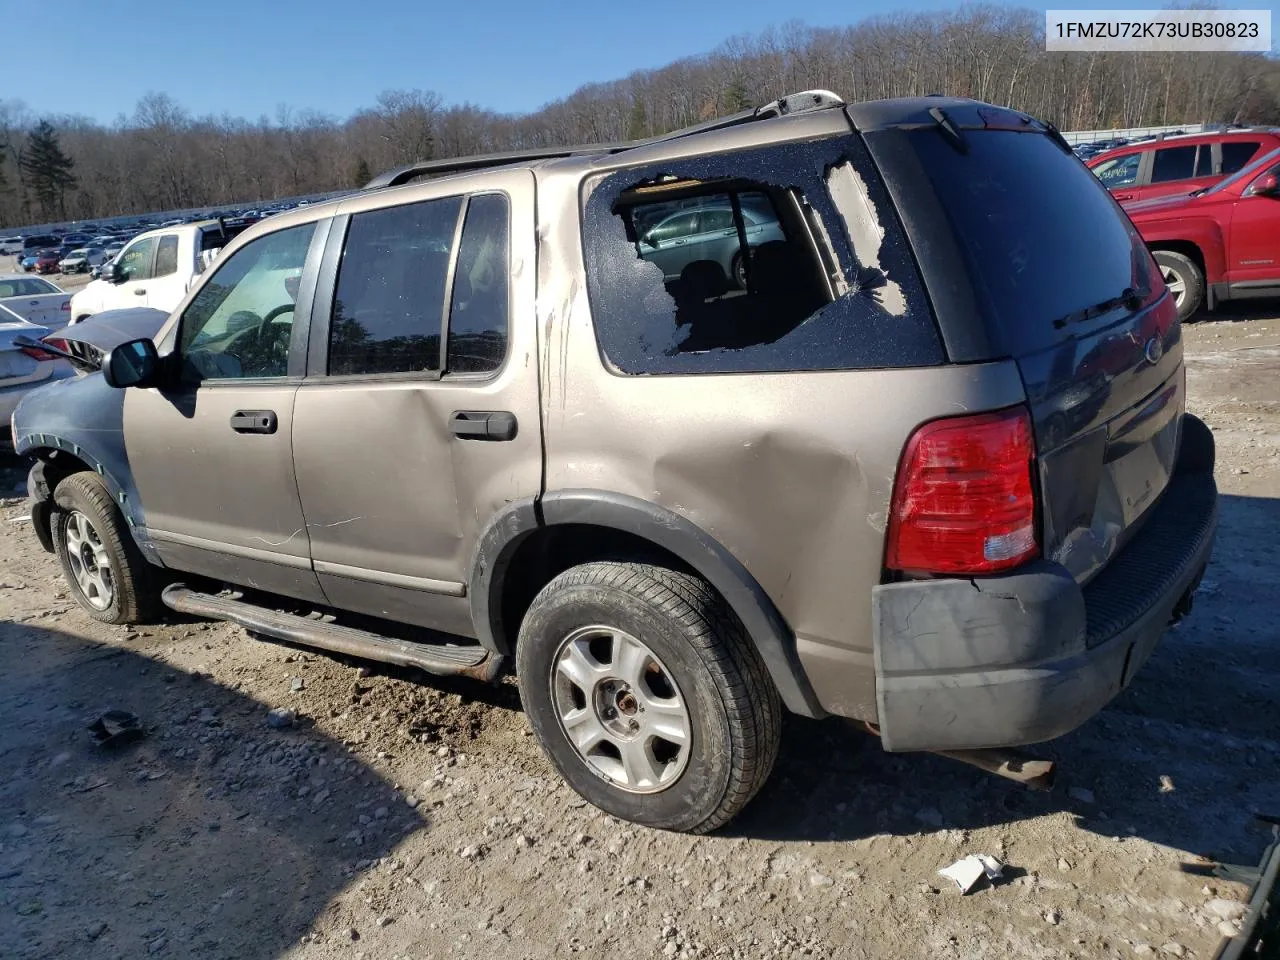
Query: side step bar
[(438, 659)]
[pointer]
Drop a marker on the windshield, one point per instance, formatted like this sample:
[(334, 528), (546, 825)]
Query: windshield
[(1249, 172)]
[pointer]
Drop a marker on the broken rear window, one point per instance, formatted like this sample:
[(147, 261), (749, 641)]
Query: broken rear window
[(780, 258)]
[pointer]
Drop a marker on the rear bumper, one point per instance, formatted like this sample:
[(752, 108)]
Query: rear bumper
[(1026, 657), (10, 396)]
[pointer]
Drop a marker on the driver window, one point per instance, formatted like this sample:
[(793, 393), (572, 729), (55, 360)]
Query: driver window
[(135, 262), (240, 322)]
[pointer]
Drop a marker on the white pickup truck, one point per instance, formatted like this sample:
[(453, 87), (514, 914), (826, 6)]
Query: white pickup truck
[(155, 270), (34, 299)]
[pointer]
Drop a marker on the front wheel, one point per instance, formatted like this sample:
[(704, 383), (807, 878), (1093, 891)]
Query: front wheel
[(1184, 279), (102, 565), (646, 694)]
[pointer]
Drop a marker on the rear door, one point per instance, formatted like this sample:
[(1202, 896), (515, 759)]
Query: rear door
[(424, 342), (1065, 286), (1179, 169)]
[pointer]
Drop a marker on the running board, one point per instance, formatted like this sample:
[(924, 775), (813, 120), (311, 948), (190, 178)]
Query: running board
[(439, 659)]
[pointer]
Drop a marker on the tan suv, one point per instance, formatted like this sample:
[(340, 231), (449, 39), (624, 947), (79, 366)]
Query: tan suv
[(924, 464)]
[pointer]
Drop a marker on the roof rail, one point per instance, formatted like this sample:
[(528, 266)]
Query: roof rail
[(794, 103)]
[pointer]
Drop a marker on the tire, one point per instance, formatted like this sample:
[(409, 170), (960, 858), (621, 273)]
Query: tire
[(126, 591), (694, 658), (1184, 279)]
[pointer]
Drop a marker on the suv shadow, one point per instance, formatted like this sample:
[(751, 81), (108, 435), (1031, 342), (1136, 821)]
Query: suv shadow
[(1215, 740)]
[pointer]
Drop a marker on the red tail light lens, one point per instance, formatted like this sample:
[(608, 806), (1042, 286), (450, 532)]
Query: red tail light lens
[(963, 502), (37, 354)]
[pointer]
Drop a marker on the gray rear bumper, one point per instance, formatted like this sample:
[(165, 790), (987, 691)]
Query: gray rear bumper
[(1028, 656)]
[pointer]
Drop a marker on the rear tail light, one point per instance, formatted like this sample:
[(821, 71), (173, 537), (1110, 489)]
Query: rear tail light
[(66, 306), (963, 501), (36, 353)]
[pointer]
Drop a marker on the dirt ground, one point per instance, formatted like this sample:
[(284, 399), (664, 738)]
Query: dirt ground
[(403, 818)]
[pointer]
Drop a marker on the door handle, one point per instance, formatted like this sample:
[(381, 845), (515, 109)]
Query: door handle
[(254, 421), (1124, 196), (138, 291), (483, 424)]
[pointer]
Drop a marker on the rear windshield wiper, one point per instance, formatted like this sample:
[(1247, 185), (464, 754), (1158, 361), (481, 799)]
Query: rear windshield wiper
[(1129, 297), (949, 129)]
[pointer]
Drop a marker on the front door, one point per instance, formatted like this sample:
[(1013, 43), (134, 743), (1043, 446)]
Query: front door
[(210, 451), (424, 327), (1254, 246), (136, 263)]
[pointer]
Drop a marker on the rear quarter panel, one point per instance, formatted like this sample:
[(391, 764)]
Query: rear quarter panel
[(791, 472), (1205, 232)]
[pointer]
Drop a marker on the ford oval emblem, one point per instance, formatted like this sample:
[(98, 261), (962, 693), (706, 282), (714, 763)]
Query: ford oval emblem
[(1154, 350)]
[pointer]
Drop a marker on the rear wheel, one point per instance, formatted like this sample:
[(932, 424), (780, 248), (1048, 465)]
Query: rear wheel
[(1184, 279), (107, 574), (645, 693)]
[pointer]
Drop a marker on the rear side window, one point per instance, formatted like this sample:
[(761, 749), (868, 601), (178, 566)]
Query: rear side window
[(1174, 163), (389, 302), (479, 306), (1036, 256), (25, 287), (1236, 155), (1204, 161), (1119, 171), (785, 257), (166, 256)]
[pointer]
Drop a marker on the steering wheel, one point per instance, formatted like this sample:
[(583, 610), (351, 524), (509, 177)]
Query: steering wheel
[(284, 308)]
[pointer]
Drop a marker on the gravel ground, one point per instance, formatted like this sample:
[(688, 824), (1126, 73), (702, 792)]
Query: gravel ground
[(400, 818)]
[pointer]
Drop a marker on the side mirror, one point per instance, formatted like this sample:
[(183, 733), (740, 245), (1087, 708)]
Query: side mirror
[(132, 364), (112, 273), (1268, 185)]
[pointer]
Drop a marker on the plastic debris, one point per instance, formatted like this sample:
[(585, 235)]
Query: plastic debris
[(115, 728), (967, 871)]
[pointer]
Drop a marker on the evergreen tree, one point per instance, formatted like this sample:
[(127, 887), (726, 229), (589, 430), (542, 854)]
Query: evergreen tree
[(638, 121), (48, 170), (362, 174), (737, 96)]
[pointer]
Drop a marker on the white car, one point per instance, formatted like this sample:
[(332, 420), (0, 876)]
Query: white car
[(80, 260), (34, 299), (22, 369), (10, 246)]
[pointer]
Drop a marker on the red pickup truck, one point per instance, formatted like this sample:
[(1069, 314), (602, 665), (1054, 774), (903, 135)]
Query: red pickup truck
[(1220, 243)]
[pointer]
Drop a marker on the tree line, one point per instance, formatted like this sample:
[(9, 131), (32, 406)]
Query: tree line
[(162, 158)]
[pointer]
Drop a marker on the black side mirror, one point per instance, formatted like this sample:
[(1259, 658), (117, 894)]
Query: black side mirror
[(132, 364), (112, 273)]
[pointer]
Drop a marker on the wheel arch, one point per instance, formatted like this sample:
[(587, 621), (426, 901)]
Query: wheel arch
[(55, 460), (570, 527)]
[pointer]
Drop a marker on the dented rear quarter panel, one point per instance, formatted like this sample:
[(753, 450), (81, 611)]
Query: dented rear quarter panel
[(792, 472)]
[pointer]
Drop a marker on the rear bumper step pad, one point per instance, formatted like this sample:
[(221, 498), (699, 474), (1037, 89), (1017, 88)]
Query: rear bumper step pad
[(438, 659)]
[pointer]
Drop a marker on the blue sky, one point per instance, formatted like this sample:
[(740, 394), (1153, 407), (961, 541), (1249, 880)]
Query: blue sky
[(247, 57)]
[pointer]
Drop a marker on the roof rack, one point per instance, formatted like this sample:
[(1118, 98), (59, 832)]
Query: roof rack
[(794, 103)]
